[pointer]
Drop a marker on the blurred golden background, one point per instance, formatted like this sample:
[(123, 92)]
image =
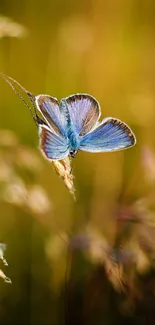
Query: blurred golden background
[(89, 261)]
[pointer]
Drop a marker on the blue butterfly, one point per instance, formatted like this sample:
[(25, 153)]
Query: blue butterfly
[(74, 125)]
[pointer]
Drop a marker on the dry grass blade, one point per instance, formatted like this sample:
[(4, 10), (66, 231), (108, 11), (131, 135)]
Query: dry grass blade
[(64, 170)]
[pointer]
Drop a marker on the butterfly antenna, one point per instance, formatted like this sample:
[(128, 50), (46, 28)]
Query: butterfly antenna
[(9, 80)]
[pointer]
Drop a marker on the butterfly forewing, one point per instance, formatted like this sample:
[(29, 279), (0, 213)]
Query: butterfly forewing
[(49, 108), (52, 145), (111, 135), (84, 112)]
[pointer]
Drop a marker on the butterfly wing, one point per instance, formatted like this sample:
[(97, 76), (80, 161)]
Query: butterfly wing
[(84, 112), (111, 135), (49, 108), (52, 145)]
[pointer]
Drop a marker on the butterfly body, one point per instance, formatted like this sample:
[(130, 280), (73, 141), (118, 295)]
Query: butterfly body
[(73, 142)]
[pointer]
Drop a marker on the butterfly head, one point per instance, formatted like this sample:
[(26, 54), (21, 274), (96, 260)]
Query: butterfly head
[(73, 153)]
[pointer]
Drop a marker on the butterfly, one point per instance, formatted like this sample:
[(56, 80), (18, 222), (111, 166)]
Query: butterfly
[(74, 124)]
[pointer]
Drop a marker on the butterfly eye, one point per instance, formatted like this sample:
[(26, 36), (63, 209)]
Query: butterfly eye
[(73, 153)]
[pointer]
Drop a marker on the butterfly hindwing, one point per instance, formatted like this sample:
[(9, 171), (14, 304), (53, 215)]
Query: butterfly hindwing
[(111, 135), (52, 145), (84, 112)]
